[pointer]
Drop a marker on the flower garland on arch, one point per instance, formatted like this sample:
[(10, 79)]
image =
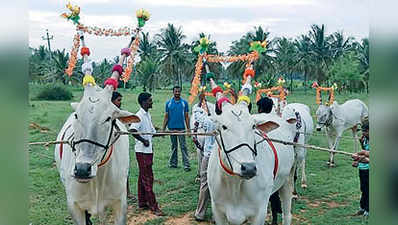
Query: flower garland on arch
[(133, 49), (73, 55), (74, 15), (250, 58), (326, 89)]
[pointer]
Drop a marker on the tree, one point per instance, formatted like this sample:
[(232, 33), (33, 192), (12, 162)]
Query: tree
[(173, 51), (148, 71), (363, 57), (286, 58), (321, 51), (345, 72)]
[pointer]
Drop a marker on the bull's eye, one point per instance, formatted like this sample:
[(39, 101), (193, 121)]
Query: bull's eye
[(75, 116), (254, 126), (224, 127)]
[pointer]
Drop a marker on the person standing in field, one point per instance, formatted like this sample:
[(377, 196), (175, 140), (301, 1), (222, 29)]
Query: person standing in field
[(361, 160), (144, 155), (264, 105), (176, 118), (117, 101)]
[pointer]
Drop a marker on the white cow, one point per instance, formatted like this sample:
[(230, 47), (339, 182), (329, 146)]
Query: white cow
[(303, 129), (94, 168), (338, 118), (240, 173)]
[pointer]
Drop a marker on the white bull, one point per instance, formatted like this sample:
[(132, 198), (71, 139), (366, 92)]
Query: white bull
[(241, 174), (94, 168), (338, 118), (303, 129)]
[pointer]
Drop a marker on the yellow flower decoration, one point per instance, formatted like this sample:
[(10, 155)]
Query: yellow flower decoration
[(227, 85), (281, 81), (142, 13), (88, 79), (202, 88), (334, 86), (244, 98)]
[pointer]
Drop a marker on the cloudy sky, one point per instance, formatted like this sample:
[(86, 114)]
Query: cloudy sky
[(224, 20)]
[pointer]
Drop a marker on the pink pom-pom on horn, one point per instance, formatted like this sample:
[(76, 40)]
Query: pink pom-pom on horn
[(221, 100), (125, 51), (117, 68), (111, 81)]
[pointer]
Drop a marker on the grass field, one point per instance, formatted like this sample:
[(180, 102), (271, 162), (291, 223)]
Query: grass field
[(331, 197)]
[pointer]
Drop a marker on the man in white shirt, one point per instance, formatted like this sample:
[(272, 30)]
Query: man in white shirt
[(144, 155), (210, 145)]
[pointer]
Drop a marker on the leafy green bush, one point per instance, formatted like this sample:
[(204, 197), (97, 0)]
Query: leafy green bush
[(54, 92)]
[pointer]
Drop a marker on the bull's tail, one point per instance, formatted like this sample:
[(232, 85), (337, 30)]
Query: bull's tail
[(88, 215)]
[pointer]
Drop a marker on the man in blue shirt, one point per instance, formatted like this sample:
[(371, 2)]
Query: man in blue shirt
[(176, 119)]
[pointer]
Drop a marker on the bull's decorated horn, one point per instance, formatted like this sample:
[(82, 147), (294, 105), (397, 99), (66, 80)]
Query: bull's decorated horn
[(246, 91), (87, 67), (218, 93)]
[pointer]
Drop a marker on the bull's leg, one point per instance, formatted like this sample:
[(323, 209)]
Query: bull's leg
[(260, 217), (78, 215), (331, 141), (336, 144), (303, 176), (295, 196), (218, 216), (286, 198), (120, 211)]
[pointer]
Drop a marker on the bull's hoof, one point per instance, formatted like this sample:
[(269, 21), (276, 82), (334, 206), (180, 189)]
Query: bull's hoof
[(295, 197), (328, 163), (332, 165), (304, 186)]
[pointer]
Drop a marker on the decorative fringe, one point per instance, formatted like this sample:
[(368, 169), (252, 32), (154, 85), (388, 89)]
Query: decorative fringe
[(73, 55)]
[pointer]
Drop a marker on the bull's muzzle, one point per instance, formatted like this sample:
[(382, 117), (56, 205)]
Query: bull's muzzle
[(82, 170), (248, 170)]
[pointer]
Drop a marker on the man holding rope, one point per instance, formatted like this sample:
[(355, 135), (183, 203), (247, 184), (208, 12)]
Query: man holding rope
[(361, 160), (144, 155)]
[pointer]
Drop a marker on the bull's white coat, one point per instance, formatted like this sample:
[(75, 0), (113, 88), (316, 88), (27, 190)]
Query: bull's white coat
[(306, 129), (108, 185), (338, 118), (235, 199)]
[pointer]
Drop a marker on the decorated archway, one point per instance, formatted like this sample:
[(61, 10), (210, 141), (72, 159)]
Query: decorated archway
[(81, 29)]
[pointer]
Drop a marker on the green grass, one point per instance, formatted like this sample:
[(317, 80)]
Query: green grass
[(332, 194)]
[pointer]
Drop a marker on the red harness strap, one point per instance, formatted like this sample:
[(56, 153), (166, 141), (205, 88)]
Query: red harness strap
[(107, 157), (230, 172), (275, 153)]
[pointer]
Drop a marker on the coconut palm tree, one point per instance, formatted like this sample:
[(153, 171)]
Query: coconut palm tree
[(340, 44), (174, 53), (286, 58), (148, 72), (146, 47), (321, 50), (304, 62), (363, 56)]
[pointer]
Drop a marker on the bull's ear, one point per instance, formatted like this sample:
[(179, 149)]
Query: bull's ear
[(126, 117), (291, 120), (74, 105), (267, 126)]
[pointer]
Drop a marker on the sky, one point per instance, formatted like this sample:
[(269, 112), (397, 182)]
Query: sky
[(224, 20)]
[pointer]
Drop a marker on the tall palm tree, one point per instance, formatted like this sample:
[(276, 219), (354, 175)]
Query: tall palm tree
[(146, 47), (304, 57), (363, 56), (286, 58), (321, 49), (173, 51), (340, 44), (148, 72)]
